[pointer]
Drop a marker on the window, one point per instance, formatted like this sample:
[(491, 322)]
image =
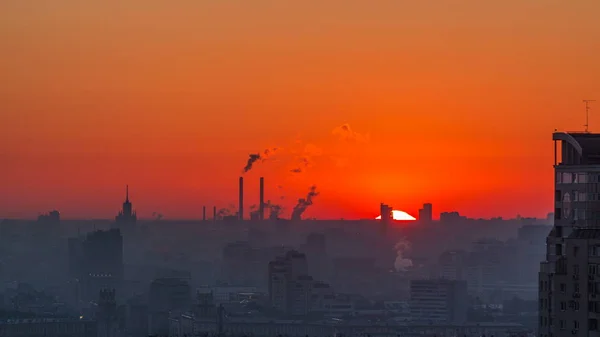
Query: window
[(558, 177), (582, 178), (557, 214), (566, 205), (557, 195), (567, 178), (575, 251), (576, 269), (558, 249), (562, 324), (575, 325), (593, 324), (563, 288), (582, 196), (563, 306)]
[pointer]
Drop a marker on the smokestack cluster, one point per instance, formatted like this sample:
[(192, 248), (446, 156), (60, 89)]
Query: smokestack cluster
[(261, 205)]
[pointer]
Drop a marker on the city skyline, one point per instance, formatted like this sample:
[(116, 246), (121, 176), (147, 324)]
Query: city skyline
[(458, 101)]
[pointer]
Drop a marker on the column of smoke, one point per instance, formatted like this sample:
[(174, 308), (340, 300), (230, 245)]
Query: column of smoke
[(223, 212), (304, 203), (402, 263), (254, 157), (274, 210)]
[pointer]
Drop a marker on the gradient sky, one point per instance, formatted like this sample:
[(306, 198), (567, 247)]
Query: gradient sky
[(459, 99)]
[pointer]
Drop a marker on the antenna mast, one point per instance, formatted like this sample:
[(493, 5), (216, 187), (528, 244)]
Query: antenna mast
[(587, 112)]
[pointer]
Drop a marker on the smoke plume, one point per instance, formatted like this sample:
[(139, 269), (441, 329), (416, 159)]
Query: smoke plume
[(402, 263), (254, 157), (305, 160), (274, 210), (304, 203), (345, 133)]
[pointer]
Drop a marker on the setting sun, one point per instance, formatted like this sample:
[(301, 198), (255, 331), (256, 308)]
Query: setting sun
[(399, 215)]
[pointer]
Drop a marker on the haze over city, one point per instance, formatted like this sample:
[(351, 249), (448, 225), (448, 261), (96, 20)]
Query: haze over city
[(333, 168)]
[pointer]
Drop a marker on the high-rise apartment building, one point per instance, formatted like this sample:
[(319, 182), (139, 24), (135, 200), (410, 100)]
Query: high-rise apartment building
[(439, 301), (426, 213), (569, 285), (289, 285)]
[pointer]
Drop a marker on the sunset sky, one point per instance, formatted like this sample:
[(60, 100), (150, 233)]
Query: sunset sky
[(452, 102)]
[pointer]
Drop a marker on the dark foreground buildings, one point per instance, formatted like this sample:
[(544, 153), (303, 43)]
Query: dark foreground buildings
[(96, 263), (569, 283)]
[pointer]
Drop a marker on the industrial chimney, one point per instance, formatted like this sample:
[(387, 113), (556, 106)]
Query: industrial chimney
[(203, 213), (261, 207), (241, 210), (215, 213)]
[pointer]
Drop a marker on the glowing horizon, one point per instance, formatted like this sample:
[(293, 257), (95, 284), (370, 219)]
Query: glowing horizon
[(400, 215)]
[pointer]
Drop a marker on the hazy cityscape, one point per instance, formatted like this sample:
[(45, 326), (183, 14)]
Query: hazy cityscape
[(251, 272), (331, 168)]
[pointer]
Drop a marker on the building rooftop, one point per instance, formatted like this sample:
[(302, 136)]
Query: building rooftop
[(579, 148)]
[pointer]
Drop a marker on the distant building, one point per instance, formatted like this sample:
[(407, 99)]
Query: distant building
[(453, 265), (449, 217), (106, 315), (51, 218), (48, 327), (569, 278), (426, 213), (167, 296), (127, 215), (439, 301), (290, 287), (96, 263)]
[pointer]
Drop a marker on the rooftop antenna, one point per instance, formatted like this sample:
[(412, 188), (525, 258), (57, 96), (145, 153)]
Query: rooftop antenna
[(587, 112)]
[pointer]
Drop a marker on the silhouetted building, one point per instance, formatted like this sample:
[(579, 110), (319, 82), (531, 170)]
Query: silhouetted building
[(205, 304), (289, 285), (426, 213), (127, 215), (51, 218), (439, 301), (97, 262), (167, 296), (569, 280), (106, 315)]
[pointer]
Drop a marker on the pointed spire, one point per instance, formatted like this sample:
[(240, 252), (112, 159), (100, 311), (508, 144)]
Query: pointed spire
[(126, 193)]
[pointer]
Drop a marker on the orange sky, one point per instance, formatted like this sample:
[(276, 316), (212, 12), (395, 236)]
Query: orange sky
[(459, 99)]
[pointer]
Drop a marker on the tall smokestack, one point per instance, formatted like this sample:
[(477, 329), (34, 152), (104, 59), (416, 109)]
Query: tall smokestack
[(203, 213), (214, 213), (241, 210), (261, 207)]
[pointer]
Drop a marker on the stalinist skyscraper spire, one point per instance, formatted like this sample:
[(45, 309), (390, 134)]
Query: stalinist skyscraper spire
[(127, 215)]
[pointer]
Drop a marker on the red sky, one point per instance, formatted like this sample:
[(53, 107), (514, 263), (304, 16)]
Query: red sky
[(459, 100)]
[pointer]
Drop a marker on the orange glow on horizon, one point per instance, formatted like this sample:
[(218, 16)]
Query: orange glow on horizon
[(400, 215), (446, 102)]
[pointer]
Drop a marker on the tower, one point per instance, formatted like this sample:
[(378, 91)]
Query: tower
[(127, 215), (569, 295), (261, 207)]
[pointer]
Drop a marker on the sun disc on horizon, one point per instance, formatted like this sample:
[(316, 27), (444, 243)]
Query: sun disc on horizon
[(400, 215)]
